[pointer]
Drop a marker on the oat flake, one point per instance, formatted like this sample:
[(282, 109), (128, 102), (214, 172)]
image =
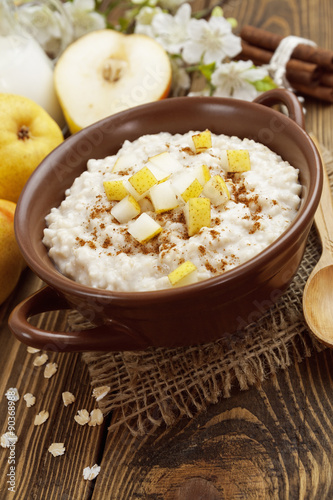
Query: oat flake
[(50, 370), (68, 398), (40, 360), (41, 417), (8, 439), (96, 417), (12, 394), (89, 473), (32, 350), (100, 392), (82, 418), (29, 399), (57, 449)]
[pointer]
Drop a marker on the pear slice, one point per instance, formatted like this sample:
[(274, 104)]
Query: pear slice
[(124, 161), (166, 162), (186, 185), (126, 209), (185, 274), (202, 174), (115, 190), (236, 160), (192, 191), (142, 181), (144, 228), (216, 190), (163, 197), (197, 214), (202, 141), (105, 71)]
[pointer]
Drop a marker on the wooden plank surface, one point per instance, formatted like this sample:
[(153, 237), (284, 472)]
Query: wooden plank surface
[(270, 442)]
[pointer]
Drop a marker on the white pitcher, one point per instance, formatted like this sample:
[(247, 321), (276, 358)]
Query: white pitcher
[(26, 68)]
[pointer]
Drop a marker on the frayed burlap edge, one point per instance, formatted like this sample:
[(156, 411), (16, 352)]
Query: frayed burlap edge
[(157, 386)]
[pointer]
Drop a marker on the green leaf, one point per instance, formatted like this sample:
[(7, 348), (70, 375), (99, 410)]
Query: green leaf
[(265, 84), (207, 70)]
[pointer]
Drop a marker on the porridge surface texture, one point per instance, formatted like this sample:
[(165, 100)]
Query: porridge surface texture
[(90, 246)]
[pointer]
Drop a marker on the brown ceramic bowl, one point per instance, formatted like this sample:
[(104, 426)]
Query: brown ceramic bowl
[(219, 307)]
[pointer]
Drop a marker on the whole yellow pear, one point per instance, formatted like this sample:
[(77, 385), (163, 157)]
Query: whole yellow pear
[(27, 135), (11, 260)]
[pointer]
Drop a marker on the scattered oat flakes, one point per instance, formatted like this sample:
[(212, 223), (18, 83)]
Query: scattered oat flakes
[(96, 417), (82, 418), (12, 394), (68, 398), (8, 439), (41, 417), (50, 370), (32, 350), (40, 360), (89, 473), (100, 392), (57, 449), (29, 399)]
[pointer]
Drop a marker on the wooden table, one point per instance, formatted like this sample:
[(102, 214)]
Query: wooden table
[(269, 442)]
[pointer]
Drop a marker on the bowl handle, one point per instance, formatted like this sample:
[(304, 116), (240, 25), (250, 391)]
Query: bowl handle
[(112, 336), (289, 99)]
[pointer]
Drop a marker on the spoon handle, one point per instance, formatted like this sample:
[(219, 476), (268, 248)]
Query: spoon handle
[(324, 214)]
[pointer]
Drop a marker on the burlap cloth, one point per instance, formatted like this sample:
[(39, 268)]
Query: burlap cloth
[(155, 387)]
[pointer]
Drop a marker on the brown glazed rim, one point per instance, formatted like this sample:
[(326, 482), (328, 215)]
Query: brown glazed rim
[(66, 285)]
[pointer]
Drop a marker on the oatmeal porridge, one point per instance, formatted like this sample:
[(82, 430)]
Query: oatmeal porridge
[(168, 210)]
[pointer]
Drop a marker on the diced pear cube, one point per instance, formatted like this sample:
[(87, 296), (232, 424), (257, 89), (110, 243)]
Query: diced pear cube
[(202, 174), (125, 161), (197, 214), (115, 190), (166, 162), (126, 209), (236, 160), (163, 197), (159, 173), (146, 205), (216, 190), (185, 274), (202, 141), (144, 228), (192, 191), (142, 180)]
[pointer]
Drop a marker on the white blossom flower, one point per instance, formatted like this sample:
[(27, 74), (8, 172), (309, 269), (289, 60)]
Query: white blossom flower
[(234, 80), (149, 3), (51, 28), (171, 4), (171, 31), (144, 19), (213, 40), (83, 16)]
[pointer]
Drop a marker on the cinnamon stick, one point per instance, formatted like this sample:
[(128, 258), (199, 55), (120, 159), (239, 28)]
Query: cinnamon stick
[(327, 79), (319, 92), (296, 70), (269, 41)]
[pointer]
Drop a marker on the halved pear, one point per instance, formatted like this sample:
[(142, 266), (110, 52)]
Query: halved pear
[(105, 71)]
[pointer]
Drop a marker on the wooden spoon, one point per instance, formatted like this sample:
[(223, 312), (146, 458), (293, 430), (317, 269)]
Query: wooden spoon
[(318, 291)]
